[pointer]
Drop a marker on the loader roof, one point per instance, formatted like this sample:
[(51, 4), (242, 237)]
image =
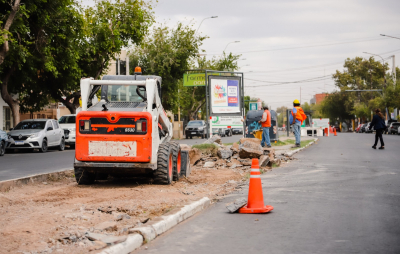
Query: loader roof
[(131, 77)]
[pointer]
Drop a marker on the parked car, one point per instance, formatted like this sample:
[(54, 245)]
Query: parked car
[(3, 142), (393, 128), (388, 122), (363, 127), (67, 123), (398, 131), (196, 128), (358, 129), (368, 129), (337, 128), (218, 131), (36, 133), (237, 131), (228, 132)]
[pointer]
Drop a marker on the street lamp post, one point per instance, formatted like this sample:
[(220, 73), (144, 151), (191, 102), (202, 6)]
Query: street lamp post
[(384, 76), (230, 43), (212, 17)]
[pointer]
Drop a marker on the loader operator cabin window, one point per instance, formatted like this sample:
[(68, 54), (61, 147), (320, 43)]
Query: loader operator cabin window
[(126, 93)]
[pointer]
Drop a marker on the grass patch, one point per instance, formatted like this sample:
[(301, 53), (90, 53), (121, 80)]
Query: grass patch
[(207, 149), (274, 165), (303, 144), (284, 143)]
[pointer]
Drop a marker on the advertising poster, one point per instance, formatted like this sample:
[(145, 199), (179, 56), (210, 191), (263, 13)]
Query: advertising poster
[(224, 96)]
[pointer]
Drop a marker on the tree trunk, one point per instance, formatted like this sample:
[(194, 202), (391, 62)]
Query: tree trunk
[(4, 50), (13, 104)]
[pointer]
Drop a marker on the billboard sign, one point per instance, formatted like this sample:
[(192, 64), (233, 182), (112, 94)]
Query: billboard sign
[(225, 95), (195, 79)]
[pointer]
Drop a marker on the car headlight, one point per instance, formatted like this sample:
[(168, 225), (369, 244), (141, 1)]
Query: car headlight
[(34, 135), (72, 129), (9, 137), (201, 128)]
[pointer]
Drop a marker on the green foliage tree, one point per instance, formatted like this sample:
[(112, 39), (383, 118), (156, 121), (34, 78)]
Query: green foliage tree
[(52, 44), (169, 53)]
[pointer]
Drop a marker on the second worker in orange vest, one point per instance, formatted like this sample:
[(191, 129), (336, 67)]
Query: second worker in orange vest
[(265, 124)]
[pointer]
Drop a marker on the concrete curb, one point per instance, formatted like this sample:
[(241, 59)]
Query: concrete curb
[(9, 184), (291, 153), (157, 227)]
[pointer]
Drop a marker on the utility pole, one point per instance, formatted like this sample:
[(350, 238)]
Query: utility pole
[(394, 70)]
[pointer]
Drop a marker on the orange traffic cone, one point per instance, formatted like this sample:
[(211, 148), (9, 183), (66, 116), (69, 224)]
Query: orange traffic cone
[(255, 200), (334, 131)]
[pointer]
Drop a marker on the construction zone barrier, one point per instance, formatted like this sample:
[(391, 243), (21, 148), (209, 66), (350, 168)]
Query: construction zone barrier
[(255, 200), (331, 130)]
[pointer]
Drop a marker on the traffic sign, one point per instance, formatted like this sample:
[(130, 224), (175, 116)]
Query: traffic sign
[(253, 106)]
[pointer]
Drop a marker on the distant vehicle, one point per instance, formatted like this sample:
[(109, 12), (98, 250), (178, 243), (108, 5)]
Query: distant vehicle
[(363, 127), (388, 122), (3, 142), (337, 128), (218, 131), (196, 128), (36, 133), (228, 132), (393, 128), (358, 129), (237, 131), (398, 131), (368, 129), (67, 123)]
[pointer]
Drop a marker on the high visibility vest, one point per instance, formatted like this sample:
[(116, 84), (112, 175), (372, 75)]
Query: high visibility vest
[(299, 115), (267, 122)]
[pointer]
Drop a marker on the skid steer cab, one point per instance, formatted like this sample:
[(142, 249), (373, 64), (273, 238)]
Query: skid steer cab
[(127, 133)]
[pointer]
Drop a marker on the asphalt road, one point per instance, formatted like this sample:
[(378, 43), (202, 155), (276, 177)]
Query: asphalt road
[(339, 196), (25, 163)]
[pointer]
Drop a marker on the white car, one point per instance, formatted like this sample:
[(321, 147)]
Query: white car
[(67, 123), (36, 133)]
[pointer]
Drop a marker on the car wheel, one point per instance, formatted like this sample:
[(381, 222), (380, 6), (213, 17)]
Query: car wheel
[(44, 147), (2, 148), (191, 137), (61, 147)]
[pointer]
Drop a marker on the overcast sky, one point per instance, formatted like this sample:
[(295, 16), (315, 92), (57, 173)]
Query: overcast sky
[(288, 40)]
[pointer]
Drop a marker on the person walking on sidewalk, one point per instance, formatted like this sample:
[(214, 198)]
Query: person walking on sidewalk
[(265, 124), (378, 122), (296, 119)]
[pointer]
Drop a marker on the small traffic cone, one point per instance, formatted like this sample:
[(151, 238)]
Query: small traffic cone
[(255, 200), (334, 131)]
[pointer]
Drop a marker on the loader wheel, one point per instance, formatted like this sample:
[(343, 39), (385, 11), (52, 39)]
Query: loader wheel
[(176, 156), (163, 173), (83, 177)]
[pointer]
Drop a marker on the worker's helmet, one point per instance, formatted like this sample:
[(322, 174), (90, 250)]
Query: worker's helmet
[(296, 101)]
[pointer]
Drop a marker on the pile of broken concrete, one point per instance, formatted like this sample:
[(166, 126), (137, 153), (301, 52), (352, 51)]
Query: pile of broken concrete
[(239, 155)]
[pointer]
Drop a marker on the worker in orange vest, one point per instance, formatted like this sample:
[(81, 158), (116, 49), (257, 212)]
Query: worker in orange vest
[(265, 124), (296, 119)]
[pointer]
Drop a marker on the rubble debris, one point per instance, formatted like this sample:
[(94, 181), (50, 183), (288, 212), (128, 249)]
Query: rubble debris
[(264, 159), (185, 147), (213, 139), (224, 153), (209, 164), (194, 156), (250, 148), (107, 226), (236, 205), (108, 239)]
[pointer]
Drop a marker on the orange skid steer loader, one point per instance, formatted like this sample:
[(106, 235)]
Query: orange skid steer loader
[(126, 133)]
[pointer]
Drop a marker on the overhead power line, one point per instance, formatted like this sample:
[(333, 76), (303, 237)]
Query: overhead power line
[(310, 46)]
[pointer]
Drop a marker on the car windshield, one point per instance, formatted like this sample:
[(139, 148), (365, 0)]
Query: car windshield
[(67, 119), (195, 123), (124, 93), (31, 125)]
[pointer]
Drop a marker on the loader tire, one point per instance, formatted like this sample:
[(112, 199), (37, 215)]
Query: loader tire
[(176, 156), (83, 177), (164, 172)]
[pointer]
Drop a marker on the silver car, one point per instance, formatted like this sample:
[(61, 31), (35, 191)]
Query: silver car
[(36, 134), (67, 123)]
